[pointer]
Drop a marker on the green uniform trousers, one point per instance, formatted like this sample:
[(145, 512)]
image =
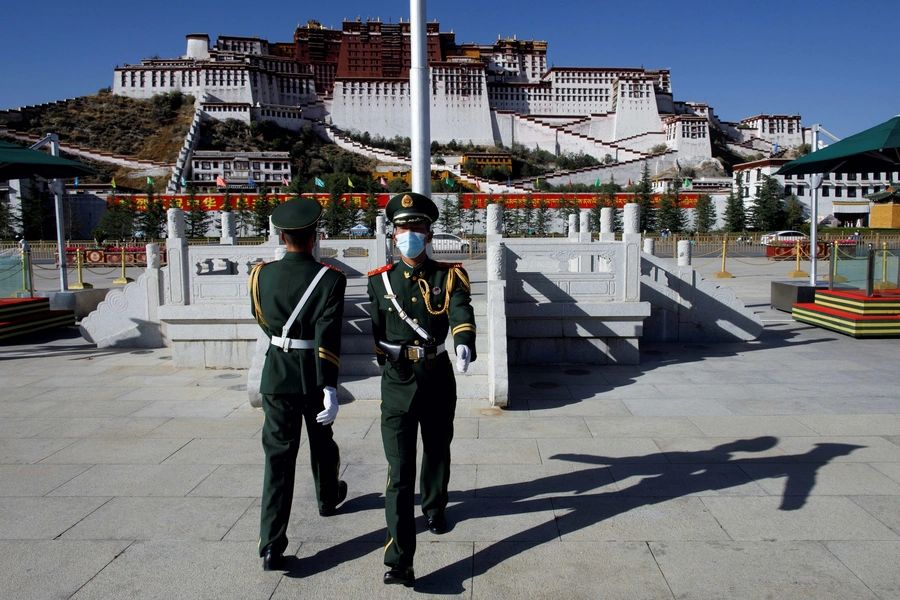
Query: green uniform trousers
[(281, 440), (434, 413)]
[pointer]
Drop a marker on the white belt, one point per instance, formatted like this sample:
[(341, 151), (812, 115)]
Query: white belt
[(286, 343), (418, 352)]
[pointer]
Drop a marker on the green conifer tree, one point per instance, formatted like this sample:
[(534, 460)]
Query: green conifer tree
[(767, 209), (704, 214)]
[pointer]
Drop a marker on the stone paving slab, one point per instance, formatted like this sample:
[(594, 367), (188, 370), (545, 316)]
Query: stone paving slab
[(147, 518), (43, 518), (36, 480), (72, 565), (815, 518), (162, 570), (753, 570), (135, 480), (588, 570), (609, 517)]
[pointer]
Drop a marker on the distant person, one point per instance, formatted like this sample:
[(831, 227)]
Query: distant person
[(299, 303)]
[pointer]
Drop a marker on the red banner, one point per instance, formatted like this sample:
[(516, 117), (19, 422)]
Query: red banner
[(214, 202)]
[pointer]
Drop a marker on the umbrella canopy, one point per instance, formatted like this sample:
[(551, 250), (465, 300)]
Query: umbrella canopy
[(876, 149), (17, 162)]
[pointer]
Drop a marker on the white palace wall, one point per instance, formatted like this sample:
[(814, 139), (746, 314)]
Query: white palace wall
[(460, 118)]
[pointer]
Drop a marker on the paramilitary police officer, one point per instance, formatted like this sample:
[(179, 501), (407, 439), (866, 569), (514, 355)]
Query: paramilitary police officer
[(299, 303), (415, 303)]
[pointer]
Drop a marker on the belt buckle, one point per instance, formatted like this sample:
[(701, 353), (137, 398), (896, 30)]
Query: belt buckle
[(413, 353), (286, 344)]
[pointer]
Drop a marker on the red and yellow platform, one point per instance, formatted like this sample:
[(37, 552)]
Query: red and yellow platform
[(852, 313), (22, 316)]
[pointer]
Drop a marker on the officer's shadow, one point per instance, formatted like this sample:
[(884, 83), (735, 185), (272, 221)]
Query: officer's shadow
[(660, 478)]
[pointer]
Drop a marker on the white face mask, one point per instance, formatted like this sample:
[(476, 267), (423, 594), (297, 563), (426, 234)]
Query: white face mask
[(411, 244)]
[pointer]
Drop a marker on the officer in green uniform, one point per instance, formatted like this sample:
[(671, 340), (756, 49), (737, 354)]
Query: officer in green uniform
[(299, 303), (415, 304)]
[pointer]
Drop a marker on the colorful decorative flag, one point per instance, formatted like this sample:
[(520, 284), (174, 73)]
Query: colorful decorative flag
[(776, 147), (508, 181), (449, 182), (537, 181), (629, 183), (383, 182), (113, 184), (149, 181), (220, 182), (320, 183), (350, 183), (251, 182), (284, 181), (597, 183), (183, 182), (76, 182), (687, 182)]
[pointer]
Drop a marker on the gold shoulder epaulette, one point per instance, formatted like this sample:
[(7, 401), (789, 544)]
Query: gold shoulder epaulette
[(332, 267), (379, 270), (253, 285)]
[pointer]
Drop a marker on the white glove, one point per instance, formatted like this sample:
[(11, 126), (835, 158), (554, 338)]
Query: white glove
[(463, 355), (327, 416)]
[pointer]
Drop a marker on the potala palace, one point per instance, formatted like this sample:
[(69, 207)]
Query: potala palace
[(357, 79)]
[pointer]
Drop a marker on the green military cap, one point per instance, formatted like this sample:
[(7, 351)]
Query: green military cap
[(297, 213), (410, 207)]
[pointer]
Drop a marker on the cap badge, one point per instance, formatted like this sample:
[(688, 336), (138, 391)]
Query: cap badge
[(436, 290), (406, 201)]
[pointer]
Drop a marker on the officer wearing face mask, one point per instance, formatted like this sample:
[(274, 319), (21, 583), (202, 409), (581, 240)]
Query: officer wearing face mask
[(421, 309)]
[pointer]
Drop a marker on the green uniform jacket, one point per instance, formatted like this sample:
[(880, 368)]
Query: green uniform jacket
[(421, 291), (275, 289)]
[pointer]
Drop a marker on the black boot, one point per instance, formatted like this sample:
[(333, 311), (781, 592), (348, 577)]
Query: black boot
[(400, 575)]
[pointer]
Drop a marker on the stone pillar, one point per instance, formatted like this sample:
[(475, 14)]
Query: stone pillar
[(632, 222), (494, 226), (229, 236), (573, 227), (274, 237), (684, 253), (607, 225), (382, 253), (584, 225), (649, 246), (153, 282), (178, 258), (632, 240), (496, 262), (280, 252)]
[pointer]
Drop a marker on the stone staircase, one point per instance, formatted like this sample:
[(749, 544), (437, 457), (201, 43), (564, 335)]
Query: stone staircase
[(360, 377)]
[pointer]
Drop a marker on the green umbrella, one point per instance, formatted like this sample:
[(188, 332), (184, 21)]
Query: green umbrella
[(17, 162), (876, 149)]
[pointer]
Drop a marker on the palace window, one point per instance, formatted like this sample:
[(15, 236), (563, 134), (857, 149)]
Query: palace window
[(826, 191), (851, 192), (838, 192)]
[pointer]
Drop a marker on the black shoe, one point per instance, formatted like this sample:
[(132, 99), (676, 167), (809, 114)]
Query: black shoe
[(402, 575), (273, 561), (329, 510), (437, 524)]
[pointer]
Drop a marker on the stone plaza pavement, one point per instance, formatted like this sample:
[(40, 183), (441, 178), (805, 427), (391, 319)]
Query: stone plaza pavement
[(768, 469)]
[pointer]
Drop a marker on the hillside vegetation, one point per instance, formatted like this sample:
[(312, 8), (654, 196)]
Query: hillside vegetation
[(146, 129)]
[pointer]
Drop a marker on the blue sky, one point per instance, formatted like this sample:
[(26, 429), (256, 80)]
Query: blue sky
[(832, 61)]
